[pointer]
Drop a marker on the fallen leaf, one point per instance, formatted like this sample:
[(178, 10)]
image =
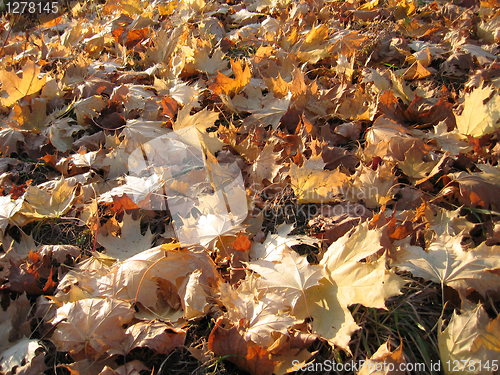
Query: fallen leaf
[(229, 86), (242, 243), (15, 88), (292, 274), (130, 242), (312, 184), (20, 356), (89, 327), (462, 342), (39, 203), (8, 208), (158, 336), (447, 263), (478, 118), (383, 360), (229, 343)]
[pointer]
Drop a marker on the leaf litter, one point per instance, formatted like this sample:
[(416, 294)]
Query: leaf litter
[(250, 185)]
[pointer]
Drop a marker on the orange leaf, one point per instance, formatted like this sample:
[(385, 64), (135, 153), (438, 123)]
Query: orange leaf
[(242, 243), (229, 86), (50, 284)]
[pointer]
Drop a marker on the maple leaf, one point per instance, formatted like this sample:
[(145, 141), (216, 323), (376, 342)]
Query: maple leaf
[(452, 142), (13, 322), (292, 274), (270, 114), (130, 281), (478, 189), (446, 263), (416, 168), (229, 86), (21, 357), (469, 338), (348, 281), (91, 326), (8, 208), (201, 120), (130, 242), (88, 108), (158, 336), (331, 320), (258, 319), (242, 243), (275, 245), (61, 134), (312, 184), (137, 132), (9, 139), (265, 166), (477, 118), (448, 222), (389, 359), (32, 116), (40, 203), (208, 64), (356, 280), (229, 343), (16, 88), (375, 188)]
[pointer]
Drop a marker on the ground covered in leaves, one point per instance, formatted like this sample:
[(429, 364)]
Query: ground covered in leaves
[(255, 186)]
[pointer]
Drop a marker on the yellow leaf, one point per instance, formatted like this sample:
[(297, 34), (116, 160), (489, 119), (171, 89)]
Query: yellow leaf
[(366, 283), (40, 203), (91, 326), (462, 344), (17, 88), (202, 121), (384, 362), (477, 118), (312, 184), (369, 5), (315, 38), (167, 9)]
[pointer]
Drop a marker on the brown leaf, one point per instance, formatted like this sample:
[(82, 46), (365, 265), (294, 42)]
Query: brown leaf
[(230, 344), (424, 111), (23, 281), (477, 189)]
